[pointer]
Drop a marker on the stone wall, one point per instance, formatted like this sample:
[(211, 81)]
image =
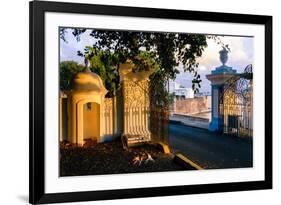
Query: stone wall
[(191, 105)]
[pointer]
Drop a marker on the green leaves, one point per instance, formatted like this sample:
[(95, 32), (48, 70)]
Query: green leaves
[(103, 63), (161, 51), (77, 33), (168, 50), (145, 61), (67, 71)]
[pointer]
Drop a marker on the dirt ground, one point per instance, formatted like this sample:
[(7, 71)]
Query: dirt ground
[(111, 158)]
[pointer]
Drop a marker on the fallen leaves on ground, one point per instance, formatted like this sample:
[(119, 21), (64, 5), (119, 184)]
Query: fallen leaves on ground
[(111, 158)]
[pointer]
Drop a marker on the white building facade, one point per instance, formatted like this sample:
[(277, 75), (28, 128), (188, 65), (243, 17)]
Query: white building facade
[(180, 91)]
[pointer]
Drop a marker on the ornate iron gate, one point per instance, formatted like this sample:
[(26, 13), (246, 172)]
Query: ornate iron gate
[(236, 104), (159, 109)]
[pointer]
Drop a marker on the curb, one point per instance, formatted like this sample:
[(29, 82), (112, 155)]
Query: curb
[(164, 147), (185, 162)]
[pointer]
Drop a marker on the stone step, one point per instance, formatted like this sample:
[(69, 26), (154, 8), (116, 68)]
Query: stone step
[(137, 138), (132, 140)]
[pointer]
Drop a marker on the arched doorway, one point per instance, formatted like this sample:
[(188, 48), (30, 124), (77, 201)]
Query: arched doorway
[(91, 121)]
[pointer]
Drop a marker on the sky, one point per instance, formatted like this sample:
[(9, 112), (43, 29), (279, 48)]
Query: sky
[(242, 54)]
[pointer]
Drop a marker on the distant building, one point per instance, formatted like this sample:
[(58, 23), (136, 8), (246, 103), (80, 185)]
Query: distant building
[(180, 91), (201, 94)]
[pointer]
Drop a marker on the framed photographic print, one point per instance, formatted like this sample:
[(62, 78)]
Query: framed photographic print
[(141, 102)]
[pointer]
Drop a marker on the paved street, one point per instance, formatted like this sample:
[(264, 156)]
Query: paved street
[(209, 150)]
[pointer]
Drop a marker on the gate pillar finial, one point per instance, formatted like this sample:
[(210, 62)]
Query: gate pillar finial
[(218, 77)]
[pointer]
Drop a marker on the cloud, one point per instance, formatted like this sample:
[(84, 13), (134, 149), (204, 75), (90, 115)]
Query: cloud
[(242, 53), (239, 57), (202, 68)]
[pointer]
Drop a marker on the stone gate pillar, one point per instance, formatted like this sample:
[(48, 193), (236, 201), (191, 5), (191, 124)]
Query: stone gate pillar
[(135, 104), (218, 77)]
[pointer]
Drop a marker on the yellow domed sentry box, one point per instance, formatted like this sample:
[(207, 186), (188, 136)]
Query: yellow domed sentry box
[(85, 107)]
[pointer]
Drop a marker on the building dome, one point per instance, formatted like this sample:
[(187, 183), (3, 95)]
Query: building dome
[(88, 81)]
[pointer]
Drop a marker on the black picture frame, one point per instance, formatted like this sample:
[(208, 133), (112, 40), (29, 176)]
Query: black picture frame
[(37, 10)]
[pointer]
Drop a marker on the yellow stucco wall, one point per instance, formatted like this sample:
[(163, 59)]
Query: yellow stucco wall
[(91, 124), (78, 116), (102, 123)]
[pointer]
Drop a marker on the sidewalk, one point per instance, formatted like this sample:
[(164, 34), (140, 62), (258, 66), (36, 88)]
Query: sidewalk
[(193, 121)]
